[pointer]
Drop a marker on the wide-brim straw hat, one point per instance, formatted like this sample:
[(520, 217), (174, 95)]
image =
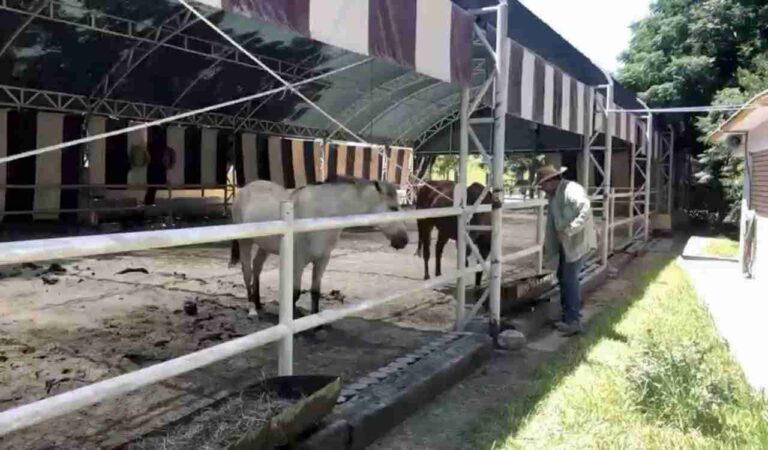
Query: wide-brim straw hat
[(548, 172)]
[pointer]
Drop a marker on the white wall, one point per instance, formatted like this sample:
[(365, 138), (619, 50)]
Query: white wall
[(758, 138), (757, 141)]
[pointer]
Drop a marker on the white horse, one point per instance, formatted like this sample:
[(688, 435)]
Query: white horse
[(260, 201)]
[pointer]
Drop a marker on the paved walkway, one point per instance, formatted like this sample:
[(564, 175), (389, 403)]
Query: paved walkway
[(739, 308)]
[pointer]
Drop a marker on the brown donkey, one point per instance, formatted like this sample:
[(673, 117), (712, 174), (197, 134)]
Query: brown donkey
[(428, 197)]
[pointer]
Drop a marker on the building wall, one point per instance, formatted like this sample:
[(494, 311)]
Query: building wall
[(757, 144)]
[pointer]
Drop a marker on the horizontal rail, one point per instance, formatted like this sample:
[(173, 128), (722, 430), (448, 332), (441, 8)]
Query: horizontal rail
[(516, 206), (627, 221), (127, 187), (82, 246), (77, 247)]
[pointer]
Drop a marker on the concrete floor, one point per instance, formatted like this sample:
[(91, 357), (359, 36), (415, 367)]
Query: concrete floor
[(739, 308)]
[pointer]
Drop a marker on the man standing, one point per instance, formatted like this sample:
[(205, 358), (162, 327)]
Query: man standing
[(569, 237)]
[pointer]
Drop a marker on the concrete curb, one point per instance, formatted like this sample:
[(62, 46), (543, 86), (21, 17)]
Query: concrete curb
[(378, 402)]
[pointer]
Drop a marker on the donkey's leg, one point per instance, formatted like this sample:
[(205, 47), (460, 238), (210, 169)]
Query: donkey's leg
[(318, 269), (442, 239), (425, 231), (245, 263), (258, 264)]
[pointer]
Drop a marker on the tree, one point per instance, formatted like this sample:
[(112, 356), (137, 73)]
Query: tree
[(700, 52)]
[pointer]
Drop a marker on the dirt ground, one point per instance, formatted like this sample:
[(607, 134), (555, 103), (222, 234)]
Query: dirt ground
[(81, 321)]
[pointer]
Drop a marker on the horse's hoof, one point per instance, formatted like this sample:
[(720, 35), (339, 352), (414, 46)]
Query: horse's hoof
[(253, 314)]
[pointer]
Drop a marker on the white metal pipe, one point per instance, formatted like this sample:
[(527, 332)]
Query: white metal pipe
[(527, 204), (589, 139), (671, 198), (632, 181), (74, 247), (461, 196), (82, 246), (165, 120), (479, 98), (480, 33), (522, 253), (540, 233), (648, 178), (610, 124), (484, 10), (499, 147), (285, 292)]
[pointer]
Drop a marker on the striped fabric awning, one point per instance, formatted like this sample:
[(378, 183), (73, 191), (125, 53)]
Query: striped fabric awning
[(542, 93), (434, 37)]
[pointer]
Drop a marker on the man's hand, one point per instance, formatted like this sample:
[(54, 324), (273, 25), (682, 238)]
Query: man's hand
[(562, 236)]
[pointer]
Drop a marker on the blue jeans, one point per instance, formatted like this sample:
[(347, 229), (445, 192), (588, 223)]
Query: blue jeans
[(570, 288)]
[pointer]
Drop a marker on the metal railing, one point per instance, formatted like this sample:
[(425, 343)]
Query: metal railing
[(75, 247), (94, 198)]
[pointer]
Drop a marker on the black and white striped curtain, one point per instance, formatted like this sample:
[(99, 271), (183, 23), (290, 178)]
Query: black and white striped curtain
[(291, 163), (201, 155), (36, 182), (357, 161)]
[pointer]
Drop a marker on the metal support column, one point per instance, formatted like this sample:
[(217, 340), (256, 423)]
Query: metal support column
[(649, 151), (610, 126), (499, 144), (671, 173), (285, 356), (460, 199)]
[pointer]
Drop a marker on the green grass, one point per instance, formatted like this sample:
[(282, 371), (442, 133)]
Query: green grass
[(650, 372), (722, 247)]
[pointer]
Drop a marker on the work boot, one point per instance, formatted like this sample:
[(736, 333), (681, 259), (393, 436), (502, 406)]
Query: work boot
[(571, 329)]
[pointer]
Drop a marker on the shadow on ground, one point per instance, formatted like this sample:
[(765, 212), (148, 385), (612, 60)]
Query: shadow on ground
[(496, 427)]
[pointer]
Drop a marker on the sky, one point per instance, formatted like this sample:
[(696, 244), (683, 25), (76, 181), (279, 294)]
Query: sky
[(583, 24)]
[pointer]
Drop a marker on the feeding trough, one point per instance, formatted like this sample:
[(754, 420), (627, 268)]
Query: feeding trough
[(275, 413)]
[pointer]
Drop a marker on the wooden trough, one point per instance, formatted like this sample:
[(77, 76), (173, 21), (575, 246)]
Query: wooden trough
[(305, 401)]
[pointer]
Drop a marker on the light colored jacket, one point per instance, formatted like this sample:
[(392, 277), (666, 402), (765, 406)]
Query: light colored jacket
[(570, 211)]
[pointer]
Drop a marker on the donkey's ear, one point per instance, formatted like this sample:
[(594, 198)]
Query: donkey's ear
[(378, 185)]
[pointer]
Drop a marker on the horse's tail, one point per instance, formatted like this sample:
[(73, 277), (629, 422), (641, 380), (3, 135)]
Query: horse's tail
[(234, 254)]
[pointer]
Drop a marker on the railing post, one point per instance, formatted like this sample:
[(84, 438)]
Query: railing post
[(499, 147), (285, 358), (612, 223), (460, 200), (540, 233), (650, 148)]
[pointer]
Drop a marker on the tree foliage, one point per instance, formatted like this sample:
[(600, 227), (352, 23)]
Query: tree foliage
[(701, 52)]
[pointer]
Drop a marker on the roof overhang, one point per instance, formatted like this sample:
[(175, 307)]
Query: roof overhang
[(749, 117)]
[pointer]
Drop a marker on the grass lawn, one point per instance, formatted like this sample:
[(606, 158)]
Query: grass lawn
[(722, 247), (650, 372)]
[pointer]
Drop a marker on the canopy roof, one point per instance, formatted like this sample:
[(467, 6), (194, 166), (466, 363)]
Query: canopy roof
[(145, 59)]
